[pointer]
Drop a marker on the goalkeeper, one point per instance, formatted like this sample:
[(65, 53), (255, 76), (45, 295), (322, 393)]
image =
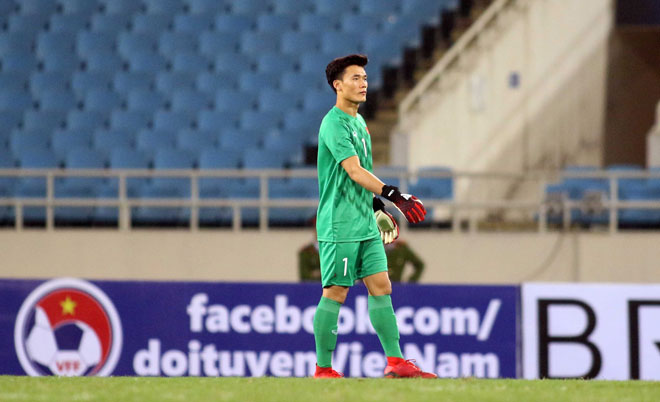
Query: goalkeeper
[(352, 223)]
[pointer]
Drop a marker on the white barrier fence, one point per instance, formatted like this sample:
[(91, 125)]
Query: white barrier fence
[(460, 214)]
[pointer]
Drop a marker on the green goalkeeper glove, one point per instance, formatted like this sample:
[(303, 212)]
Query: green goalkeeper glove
[(389, 230)]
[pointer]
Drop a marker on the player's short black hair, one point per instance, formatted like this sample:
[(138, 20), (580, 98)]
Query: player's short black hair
[(335, 69)]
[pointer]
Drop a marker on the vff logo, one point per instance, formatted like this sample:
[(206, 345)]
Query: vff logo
[(602, 331)]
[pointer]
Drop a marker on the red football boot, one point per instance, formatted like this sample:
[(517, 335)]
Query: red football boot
[(399, 368), (327, 372)]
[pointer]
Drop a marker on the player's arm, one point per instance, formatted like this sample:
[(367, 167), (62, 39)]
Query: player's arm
[(409, 205), (361, 175)]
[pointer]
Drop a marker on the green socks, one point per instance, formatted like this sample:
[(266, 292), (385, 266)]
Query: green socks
[(383, 319), (325, 330)]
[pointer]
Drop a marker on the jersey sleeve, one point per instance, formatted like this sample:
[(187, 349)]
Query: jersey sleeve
[(337, 138)]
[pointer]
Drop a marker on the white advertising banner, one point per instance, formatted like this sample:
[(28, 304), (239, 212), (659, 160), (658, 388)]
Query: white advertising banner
[(602, 331)]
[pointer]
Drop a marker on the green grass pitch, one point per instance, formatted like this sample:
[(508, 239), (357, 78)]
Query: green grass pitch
[(306, 389)]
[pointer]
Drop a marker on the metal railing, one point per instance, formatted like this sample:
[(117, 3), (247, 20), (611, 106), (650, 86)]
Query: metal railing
[(463, 210)]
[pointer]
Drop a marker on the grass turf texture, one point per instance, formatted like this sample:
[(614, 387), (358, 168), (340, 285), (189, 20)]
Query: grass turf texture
[(306, 389)]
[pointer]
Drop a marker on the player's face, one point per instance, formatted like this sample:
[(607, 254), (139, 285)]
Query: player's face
[(353, 85)]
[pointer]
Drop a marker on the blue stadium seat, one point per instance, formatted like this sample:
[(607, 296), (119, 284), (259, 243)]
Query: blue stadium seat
[(260, 120), (210, 187), (315, 63), (79, 187), (275, 62), (7, 184), (167, 216), (213, 43), (168, 120), (49, 80), (127, 81), (191, 62), (21, 141), (145, 100), (257, 81), (213, 120), (147, 62), (290, 81), (84, 7), (43, 120), (257, 158), (639, 217), (88, 42), (319, 99), (151, 23), (130, 120), (104, 61), (234, 101), (7, 7), (68, 22), (149, 140), (578, 185), (339, 43), (168, 81), (255, 43), (233, 23), (9, 120), (19, 62), (55, 42), (360, 23), (59, 100), (212, 82), (30, 187), (314, 23), (84, 81), (65, 140), (329, 7), (239, 140), (85, 120), (211, 7), (276, 23), (433, 187), (106, 140), (121, 7), (11, 42), (249, 7), (29, 24), (130, 44), (170, 43), (11, 100), (303, 125), (296, 43), (102, 100), (195, 141), (193, 23), (231, 63), (387, 45), (273, 100), (173, 158), (31, 7), (61, 62), (292, 7), (289, 216), (407, 28), (14, 81), (165, 6), (423, 10), (112, 22), (278, 141), (190, 100), (122, 158), (625, 182), (379, 8)]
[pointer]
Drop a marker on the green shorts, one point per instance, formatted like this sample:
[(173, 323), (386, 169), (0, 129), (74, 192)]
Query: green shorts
[(343, 263)]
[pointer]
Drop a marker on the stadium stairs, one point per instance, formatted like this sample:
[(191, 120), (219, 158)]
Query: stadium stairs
[(381, 111)]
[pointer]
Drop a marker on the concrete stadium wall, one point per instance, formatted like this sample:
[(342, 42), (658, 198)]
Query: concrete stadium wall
[(488, 258), (528, 93)]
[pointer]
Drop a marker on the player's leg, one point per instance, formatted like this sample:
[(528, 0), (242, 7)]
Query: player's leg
[(337, 276), (381, 311)]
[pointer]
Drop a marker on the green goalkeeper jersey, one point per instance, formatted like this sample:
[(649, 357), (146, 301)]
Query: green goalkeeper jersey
[(345, 212)]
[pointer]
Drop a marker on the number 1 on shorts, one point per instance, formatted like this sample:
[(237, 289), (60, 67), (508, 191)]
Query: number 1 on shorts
[(345, 265)]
